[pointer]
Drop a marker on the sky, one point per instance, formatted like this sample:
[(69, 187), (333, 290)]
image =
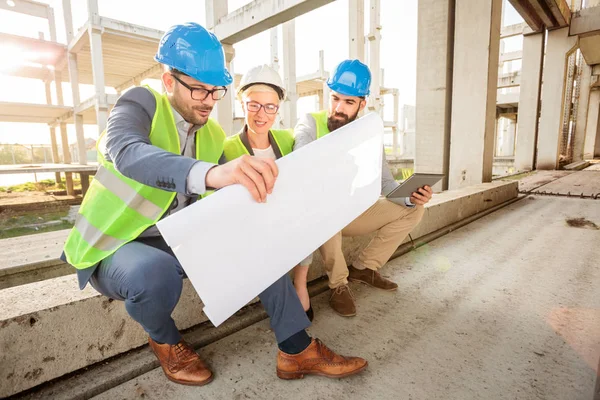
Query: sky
[(323, 29)]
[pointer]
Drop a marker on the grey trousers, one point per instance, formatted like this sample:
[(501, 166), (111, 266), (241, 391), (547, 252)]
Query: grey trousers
[(148, 278)]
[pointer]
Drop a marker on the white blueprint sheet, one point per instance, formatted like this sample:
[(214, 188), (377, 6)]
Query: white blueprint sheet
[(232, 248)]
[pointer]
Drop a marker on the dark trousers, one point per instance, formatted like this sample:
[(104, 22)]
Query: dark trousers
[(148, 278)]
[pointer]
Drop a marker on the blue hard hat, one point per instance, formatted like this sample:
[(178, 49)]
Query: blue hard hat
[(196, 52), (350, 78)]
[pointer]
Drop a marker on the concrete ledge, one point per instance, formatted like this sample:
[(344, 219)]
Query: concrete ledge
[(50, 328), (32, 258)]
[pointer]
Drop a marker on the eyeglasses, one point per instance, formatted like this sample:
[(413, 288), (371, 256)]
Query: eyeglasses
[(255, 107), (201, 93)]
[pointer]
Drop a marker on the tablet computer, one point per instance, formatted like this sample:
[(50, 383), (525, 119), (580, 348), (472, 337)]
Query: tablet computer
[(413, 183)]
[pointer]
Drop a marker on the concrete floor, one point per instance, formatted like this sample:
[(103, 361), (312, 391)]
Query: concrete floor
[(507, 307)]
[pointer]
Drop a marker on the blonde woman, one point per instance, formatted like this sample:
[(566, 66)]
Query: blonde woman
[(261, 92)]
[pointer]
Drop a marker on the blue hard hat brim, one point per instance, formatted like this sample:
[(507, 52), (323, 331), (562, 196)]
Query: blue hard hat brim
[(347, 90), (221, 78)]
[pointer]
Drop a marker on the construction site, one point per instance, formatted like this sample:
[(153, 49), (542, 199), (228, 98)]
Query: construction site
[(498, 286)]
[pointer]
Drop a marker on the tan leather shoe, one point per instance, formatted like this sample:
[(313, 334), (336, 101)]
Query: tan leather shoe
[(342, 301), (371, 278), (181, 364), (317, 359)]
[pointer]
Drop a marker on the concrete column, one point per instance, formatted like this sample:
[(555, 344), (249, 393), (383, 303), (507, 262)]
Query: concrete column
[(216, 10), (395, 130), (435, 52), (597, 145), (66, 158), (100, 102), (290, 112), (474, 90), (592, 128), (508, 142), (78, 118), (529, 101), (559, 44), (375, 102), (53, 143), (74, 79), (582, 111), (225, 105), (356, 24), (51, 23), (326, 93), (275, 48)]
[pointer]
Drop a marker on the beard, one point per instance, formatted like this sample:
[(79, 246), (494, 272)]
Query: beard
[(189, 112), (333, 123)]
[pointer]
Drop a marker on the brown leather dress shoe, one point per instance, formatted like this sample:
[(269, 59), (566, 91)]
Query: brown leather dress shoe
[(181, 364), (342, 301), (317, 359), (371, 278)]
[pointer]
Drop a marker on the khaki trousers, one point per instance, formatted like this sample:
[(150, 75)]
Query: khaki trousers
[(392, 222)]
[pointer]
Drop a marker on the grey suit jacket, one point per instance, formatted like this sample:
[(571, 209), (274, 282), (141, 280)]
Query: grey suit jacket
[(127, 145)]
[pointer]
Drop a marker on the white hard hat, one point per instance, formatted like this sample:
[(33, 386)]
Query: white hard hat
[(262, 74)]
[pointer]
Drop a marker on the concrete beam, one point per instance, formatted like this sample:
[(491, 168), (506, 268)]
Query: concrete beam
[(554, 76), (153, 72), (529, 101), (512, 79), (514, 30), (435, 52), (529, 14), (511, 56), (561, 11), (474, 91), (543, 12), (590, 48), (586, 23), (78, 40), (261, 15), (130, 30), (27, 7), (107, 99), (551, 14)]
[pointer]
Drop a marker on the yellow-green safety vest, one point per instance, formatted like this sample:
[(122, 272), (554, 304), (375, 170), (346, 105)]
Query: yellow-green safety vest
[(234, 147), (321, 120), (117, 209)]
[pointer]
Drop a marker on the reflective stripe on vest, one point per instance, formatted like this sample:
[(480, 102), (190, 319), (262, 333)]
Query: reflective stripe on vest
[(117, 209), (234, 147), (321, 122)]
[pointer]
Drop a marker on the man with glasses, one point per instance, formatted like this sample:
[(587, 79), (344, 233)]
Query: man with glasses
[(158, 154)]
